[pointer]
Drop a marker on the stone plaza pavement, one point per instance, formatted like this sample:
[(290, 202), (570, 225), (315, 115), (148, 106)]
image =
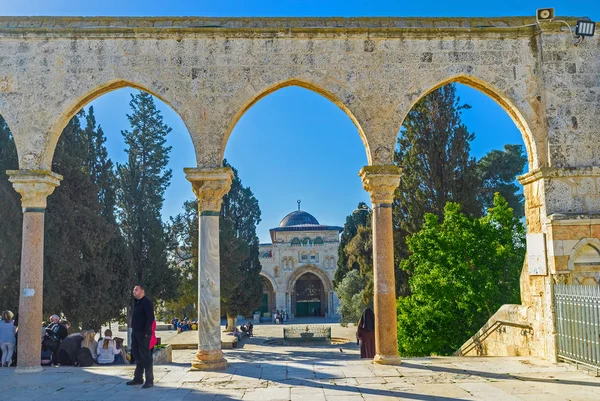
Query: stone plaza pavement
[(263, 371)]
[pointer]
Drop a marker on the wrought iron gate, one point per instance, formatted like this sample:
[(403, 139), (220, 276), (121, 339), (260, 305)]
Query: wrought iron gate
[(577, 309)]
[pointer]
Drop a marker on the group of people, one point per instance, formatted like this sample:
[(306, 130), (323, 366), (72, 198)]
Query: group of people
[(184, 324), (278, 317), (79, 349)]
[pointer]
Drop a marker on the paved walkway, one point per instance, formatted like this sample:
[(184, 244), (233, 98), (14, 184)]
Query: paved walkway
[(259, 371)]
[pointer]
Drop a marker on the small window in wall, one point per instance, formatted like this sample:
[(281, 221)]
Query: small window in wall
[(304, 257), (296, 242), (314, 257), (306, 242), (318, 241)]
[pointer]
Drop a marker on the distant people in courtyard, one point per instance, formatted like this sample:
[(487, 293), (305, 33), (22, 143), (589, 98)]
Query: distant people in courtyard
[(8, 337), (69, 349), (89, 342), (108, 353), (365, 333), (250, 329), (141, 323), (55, 334)]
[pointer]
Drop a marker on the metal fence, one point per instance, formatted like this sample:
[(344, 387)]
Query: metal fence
[(577, 309), (306, 333)]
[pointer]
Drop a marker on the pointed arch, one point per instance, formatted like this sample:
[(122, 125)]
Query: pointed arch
[(329, 95), (80, 102), (293, 278), (593, 243), (501, 98), (270, 279)]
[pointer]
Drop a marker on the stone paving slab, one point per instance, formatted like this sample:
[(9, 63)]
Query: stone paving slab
[(263, 372)]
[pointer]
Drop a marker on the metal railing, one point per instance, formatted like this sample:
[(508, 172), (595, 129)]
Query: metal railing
[(577, 310)]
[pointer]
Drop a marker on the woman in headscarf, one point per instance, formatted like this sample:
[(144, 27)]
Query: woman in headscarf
[(366, 334)]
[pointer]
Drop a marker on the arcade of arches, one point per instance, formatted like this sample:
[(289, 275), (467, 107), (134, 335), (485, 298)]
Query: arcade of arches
[(211, 70)]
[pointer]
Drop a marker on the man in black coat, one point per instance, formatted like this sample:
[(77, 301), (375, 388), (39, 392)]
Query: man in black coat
[(141, 324)]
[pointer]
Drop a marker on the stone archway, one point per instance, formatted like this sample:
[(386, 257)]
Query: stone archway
[(310, 285), (269, 290)]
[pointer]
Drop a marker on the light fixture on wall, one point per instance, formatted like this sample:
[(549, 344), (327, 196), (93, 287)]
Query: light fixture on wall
[(585, 27)]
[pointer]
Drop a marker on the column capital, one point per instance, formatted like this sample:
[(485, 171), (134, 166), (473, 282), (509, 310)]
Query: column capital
[(34, 186), (209, 186), (381, 182)]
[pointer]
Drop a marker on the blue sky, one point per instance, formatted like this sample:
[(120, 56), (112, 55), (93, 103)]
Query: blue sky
[(294, 144)]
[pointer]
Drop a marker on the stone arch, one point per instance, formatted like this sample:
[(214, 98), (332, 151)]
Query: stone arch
[(501, 98), (293, 278), (580, 246), (270, 279), (81, 101), (302, 83)]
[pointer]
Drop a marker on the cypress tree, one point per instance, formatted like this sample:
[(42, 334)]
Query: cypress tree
[(142, 182)]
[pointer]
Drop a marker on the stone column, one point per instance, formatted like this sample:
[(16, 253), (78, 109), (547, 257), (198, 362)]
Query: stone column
[(34, 187), (381, 181), (209, 186)]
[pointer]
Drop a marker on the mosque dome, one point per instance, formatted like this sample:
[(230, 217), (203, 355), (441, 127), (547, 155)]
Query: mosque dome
[(298, 218)]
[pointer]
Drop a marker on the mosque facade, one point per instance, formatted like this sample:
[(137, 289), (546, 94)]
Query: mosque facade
[(298, 267)]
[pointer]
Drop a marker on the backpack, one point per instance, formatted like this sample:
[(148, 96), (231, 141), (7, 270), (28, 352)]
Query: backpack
[(84, 357)]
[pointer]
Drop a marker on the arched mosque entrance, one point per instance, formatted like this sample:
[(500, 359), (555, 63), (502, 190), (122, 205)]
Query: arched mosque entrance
[(311, 299)]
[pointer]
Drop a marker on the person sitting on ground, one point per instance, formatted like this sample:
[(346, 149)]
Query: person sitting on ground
[(89, 342), (108, 353), (124, 351), (7, 338), (69, 348), (55, 334)]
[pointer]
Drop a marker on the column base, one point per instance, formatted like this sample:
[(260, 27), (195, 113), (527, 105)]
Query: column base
[(209, 360), (28, 369), (387, 359)]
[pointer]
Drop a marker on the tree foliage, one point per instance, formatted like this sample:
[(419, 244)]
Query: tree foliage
[(84, 258), (142, 182), (241, 284), (462, 270), (11, 221), (360, 217), (351, 293)]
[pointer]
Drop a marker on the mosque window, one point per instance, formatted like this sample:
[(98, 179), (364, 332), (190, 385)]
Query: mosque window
[(318, 241), (296, 242), (304, 257), (306, 242)]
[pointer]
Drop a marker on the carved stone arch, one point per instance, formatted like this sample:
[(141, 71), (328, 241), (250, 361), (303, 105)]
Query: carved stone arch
[(523, 119), (336, 93), (270, 279), (594, 243), (94, 91), (291, 282)]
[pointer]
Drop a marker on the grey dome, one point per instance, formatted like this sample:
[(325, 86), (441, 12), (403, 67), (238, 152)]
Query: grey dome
[(298, 218)]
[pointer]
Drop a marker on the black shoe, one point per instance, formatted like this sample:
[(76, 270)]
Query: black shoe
[(148, 385), (134, 382)]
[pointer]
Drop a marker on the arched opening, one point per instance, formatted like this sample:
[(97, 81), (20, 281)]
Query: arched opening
[(311, 299), (584, 262), (277, 146), (110, 217), (267, 302), (460, 144)]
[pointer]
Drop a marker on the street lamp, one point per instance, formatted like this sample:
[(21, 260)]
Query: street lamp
[(362, 208)]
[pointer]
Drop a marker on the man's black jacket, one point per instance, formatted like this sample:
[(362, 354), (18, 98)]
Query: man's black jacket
[(143, 316)]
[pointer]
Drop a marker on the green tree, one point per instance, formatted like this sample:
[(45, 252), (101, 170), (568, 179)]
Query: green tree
[(462, 270), (82, 265), (433, 148), (360, 217), (497, 172), (241, 283), (142, 182), (350, 292), (11, 221)]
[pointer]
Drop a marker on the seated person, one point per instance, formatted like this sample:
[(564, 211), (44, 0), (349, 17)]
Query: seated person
[(237, 334), (108, 353), (89, 342)]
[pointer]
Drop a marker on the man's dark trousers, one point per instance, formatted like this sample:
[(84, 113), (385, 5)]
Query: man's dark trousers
[(140, 347)]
